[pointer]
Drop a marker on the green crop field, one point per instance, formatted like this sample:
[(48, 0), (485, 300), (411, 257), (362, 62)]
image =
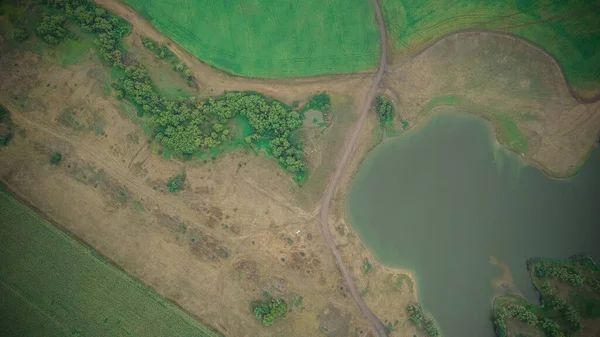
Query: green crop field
[(262, 38), (569, 30), (51, 285)]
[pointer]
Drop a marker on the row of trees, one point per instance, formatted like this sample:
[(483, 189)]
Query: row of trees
[(416, 315), (163, 52)]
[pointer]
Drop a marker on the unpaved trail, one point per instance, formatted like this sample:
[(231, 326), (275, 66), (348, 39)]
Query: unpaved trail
[(348, 149)]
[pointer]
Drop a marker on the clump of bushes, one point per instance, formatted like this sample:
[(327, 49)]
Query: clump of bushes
[(51, 29), (177, 183), (94, 19), (20, 34), (187, 127), (6, 126), (268, 311), (416, 315), (56, 158)]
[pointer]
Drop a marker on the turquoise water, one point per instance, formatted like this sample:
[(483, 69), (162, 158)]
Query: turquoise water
[(443, 199)]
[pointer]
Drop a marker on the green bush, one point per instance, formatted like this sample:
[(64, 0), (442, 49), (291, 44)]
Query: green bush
[(56, 158), (416, 315), (321, 102), (177, 183), (20, 34), (267, 311), (6, 126)]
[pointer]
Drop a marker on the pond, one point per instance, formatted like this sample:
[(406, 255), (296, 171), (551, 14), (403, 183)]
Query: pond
[(448, 203)]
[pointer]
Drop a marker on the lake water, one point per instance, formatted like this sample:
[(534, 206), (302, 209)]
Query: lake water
[(444, 199)]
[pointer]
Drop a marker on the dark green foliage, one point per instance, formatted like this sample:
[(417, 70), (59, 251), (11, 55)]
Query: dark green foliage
[(51, 29), (177, 183), (187, 127), (94, 19), (6, 126), (56, 158), (321, 102), (20, 34), (268, 310), (384, 109), (160, 50), (416, 315)]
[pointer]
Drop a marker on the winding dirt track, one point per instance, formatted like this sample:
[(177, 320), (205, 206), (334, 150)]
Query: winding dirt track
[(378, 327)]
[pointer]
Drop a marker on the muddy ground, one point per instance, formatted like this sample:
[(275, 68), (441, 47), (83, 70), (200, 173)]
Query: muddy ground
[(242, 226)]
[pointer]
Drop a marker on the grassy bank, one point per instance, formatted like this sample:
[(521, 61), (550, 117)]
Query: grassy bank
[(52, 285)]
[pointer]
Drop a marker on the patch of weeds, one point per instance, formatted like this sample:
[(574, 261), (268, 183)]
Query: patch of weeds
[(298, 301), (133, 138), (56, 158), (138, 206), (367, 265), (289, 240), (302, 254), (510, 134), (68, 117), (364, 292)]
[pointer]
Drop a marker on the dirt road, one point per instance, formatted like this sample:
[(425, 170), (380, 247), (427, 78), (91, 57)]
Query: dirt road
[(348, 149), (378, 327)]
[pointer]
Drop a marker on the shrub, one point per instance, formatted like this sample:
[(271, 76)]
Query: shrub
[(384, 109), (20, 34), (56, 158)]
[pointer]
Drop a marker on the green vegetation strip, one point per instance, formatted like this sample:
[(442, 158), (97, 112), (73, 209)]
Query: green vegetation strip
[(260, 38), (569, 30), (51, 285), (187, 128)]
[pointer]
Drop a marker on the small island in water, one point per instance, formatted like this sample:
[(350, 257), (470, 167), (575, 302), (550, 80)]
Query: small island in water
[(570, 301)]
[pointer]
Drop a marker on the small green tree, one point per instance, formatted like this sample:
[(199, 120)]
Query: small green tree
[(56, 158)]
